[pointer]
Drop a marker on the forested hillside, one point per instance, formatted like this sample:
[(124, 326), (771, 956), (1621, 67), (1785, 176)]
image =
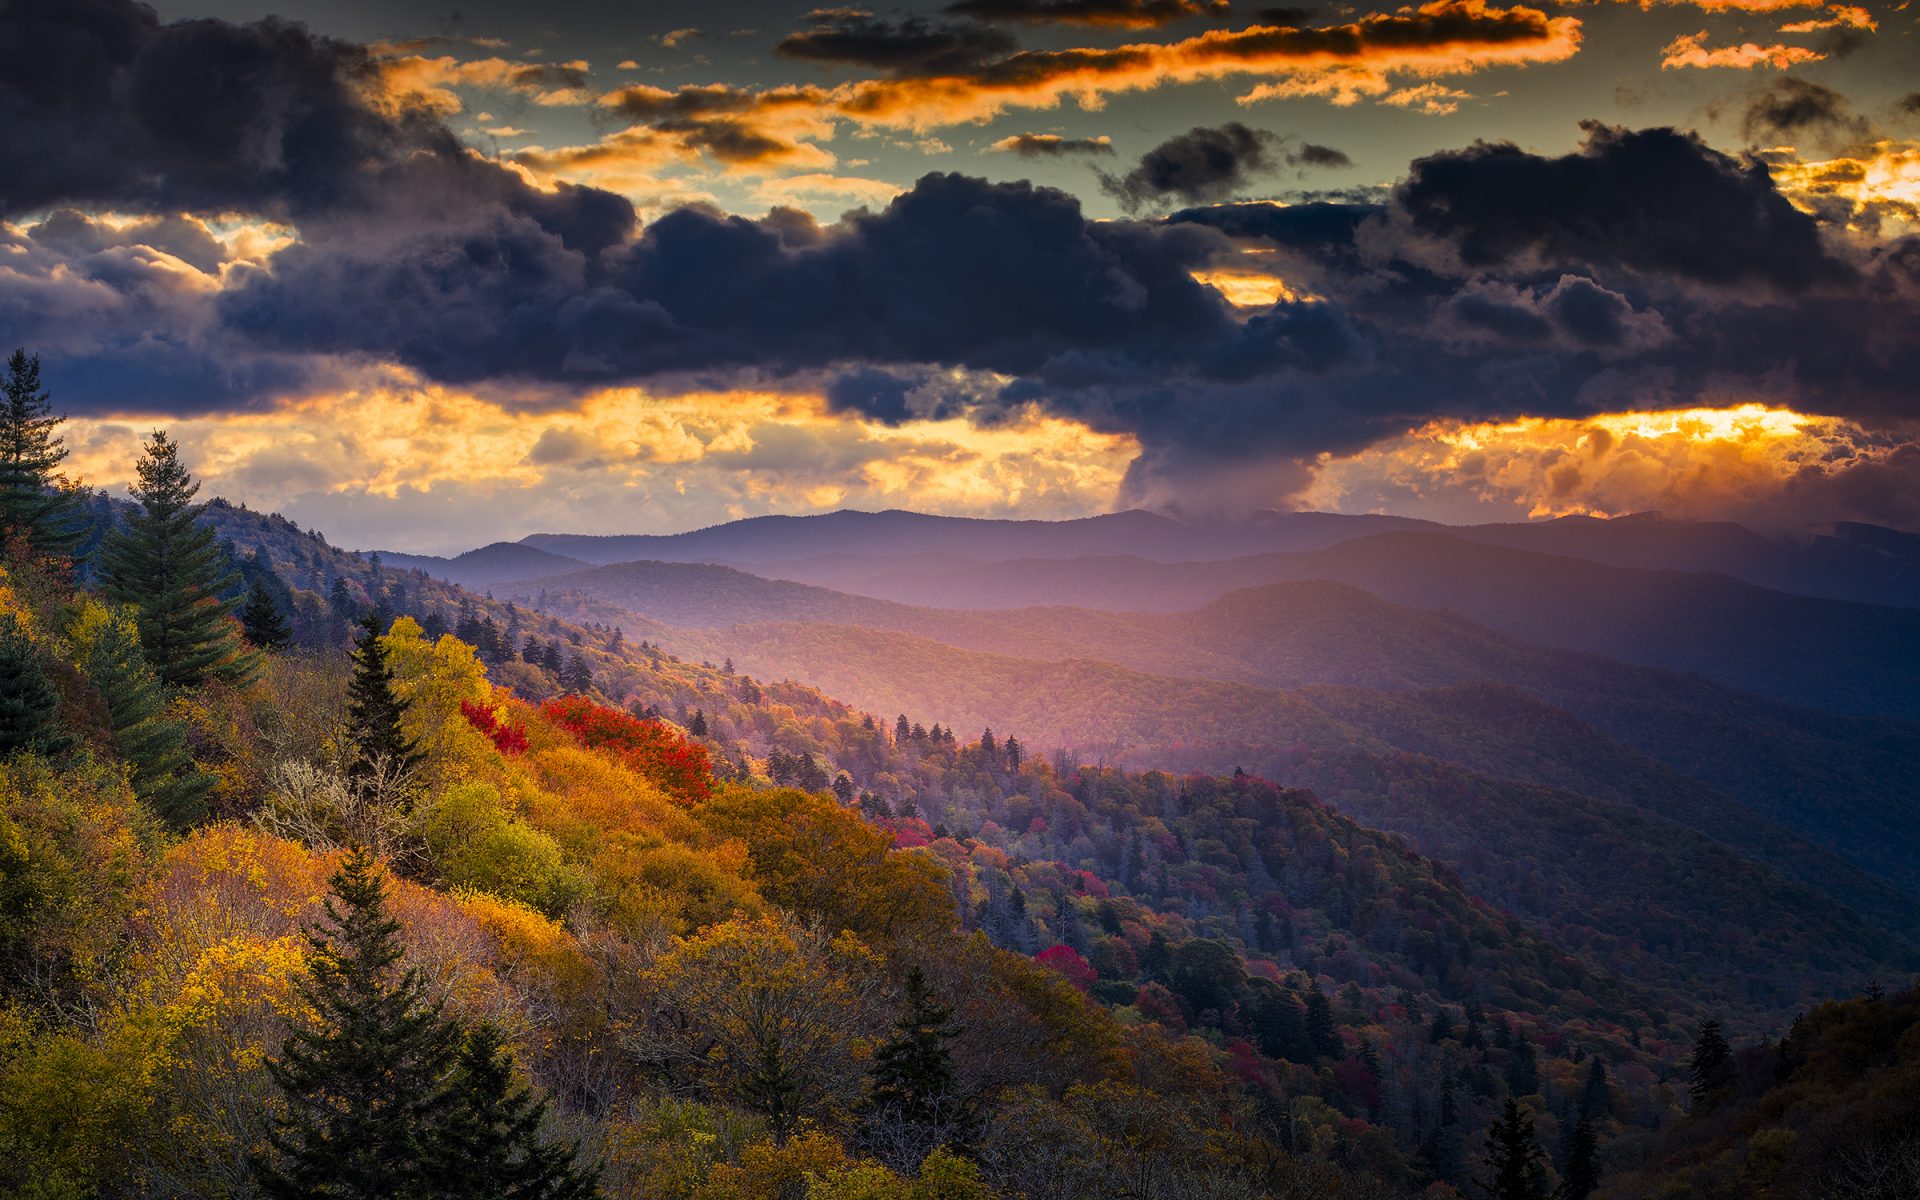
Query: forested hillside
[(1840, 782), (228, 767)]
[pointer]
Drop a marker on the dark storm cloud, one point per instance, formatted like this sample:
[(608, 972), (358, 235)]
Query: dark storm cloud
[(1908, 105), (1125, 14), (1656, 201), (911, 47), (1003, 277), (107, 107), (1207, 164), (104, 104), (1791, 107)]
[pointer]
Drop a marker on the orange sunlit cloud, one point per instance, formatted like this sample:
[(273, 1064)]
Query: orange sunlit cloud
[(1698, 462), (415, 80), (1342, 62), (1690, 50), (1876, 189)]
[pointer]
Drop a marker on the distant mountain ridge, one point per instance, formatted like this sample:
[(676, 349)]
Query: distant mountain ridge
[(485, 566), (1856, 562), (1837, 655), (898, 532)]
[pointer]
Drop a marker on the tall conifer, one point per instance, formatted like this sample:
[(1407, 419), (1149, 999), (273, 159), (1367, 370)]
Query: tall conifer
[(164, 775), (913, 1071), (490, 1145), (28, 703), (364, 1083), (265, 627), (1707, 1070), (33, 507), (168, 566), (1513, 1162), (374, 711), (1582, 1175)]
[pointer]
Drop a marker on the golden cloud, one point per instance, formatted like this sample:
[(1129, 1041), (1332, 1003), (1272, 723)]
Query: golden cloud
[(383, 460), (1874, 190), (1749, 461), (406, 80), (1360, 58), (1690, 50)]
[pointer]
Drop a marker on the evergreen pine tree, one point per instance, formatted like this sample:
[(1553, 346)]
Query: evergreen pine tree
[(365, 1083), (902, 732), (1707, 1069), (698, 726), (164, 775), (1322, 1033), (1582, 1175), (33, 508), (1513, 1163), (265, 627), (1523, 1067), (1596, 1097), (912, 1106), (28, 703), (912, 1073), (1014, 753), (374, 712), (489, 1147), (171, 570)]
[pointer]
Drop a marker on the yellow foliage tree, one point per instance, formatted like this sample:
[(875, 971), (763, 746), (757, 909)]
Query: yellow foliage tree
[(772, 1014), (821, 860)]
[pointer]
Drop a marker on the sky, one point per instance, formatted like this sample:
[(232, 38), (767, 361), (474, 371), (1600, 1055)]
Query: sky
[(427, 279)]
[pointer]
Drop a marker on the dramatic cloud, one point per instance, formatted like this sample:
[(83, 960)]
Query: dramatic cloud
[(1655, 202), (1770, 467), (1051, 145), (1204, 165), (1874, 190), (1340, 62), (1690, 50), (1120, 14), (337, 232), (395, 463)]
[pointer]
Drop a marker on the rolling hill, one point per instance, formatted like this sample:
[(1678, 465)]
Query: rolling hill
[(487, 565)]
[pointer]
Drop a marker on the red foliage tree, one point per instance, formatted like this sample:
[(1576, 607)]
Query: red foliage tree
[(653, 749), (1067, 961), (508, 739)]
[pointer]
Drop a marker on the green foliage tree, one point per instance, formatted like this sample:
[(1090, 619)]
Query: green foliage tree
[(365, 1083), (1513, 1164), (490, 1146), (164, 775), (375, 712), (167, 565), (1707, 1068), (28, 703), (265, 626), (33, 507)]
